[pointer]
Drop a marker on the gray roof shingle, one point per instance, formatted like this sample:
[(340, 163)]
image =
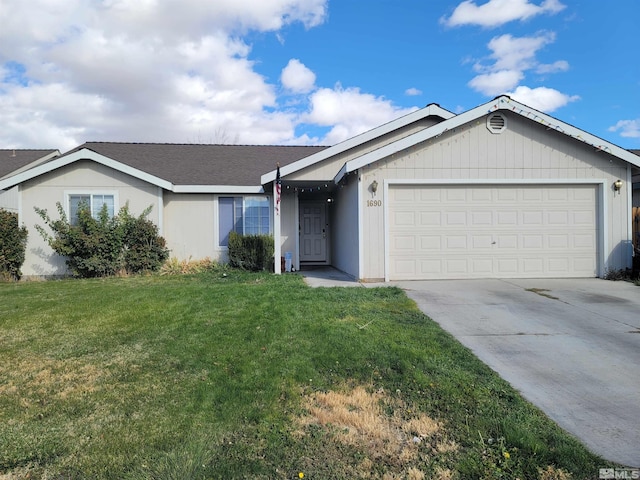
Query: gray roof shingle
[(15, 159), (190, 164)]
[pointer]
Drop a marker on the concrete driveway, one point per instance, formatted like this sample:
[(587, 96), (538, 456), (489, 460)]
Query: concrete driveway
[(571, 347)]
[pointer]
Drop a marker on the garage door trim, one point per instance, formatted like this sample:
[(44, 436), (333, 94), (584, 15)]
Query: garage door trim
[(601, 219)]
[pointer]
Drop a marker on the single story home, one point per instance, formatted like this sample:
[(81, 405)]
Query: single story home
[(499, 191)]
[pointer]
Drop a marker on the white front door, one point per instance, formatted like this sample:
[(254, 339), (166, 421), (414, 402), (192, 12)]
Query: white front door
[(313, 232)]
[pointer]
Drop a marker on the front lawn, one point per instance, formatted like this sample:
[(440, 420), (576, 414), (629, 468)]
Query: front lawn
[(234, 375)]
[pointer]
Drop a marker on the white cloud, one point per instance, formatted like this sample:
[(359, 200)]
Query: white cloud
[(413, 92), (559, 66), (498, 12), (349, 112), (297, 78), (627, 128), (141, 70), (495, 83), (517, 53), (542, 98), (511, 58)]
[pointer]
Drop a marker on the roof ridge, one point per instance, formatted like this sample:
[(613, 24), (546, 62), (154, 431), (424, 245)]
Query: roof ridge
[(199, 144)]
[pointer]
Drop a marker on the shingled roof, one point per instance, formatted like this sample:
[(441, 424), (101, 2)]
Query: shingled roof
[(189, 164), (12, 160)]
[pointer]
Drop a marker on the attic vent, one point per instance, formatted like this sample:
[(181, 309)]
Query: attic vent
[(496, 123)]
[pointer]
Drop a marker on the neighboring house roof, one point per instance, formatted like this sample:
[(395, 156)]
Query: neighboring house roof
[(431, 110), (499, 103), (14, 161), (182, 167)]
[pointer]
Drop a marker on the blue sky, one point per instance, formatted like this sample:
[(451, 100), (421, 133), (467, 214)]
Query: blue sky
[(305, 71)]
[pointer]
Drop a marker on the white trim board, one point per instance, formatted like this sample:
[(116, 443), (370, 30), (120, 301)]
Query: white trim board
[(601, 219), (431, 110), (500, 103)]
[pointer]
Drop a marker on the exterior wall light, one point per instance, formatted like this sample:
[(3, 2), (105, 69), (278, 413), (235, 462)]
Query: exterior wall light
[(617, 185), (374, 186)]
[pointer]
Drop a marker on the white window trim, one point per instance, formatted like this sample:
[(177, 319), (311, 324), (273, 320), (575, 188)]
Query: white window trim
[(216, 223), (90, 192)]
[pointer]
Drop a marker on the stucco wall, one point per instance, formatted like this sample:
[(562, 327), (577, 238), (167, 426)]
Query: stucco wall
[(190, 226), (83, 176), (525, 150)]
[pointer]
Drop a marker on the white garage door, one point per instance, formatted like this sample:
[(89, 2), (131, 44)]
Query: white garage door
[(498, 231)]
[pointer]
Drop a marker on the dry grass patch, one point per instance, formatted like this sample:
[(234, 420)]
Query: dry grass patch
[(384, 428), (37, 377), (552, 473)]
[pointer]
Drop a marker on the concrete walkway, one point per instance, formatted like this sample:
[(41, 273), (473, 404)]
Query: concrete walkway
[(571, 347)]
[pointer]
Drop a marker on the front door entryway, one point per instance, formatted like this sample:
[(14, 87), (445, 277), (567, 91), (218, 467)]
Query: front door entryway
[(313, 232)]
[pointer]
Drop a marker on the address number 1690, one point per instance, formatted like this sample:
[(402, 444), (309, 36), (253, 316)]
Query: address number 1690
[(374, 203)]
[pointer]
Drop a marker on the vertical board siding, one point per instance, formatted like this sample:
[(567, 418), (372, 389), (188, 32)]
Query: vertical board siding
[(636, 229), (344, 231), (525, 150)]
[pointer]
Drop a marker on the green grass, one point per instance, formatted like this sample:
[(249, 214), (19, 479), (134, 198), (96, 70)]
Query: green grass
[(212, 376)]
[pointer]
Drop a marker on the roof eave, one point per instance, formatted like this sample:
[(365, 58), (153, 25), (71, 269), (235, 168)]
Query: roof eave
[(428, 111), (83, 154), (34, 163), (499, 103), (224, 189)]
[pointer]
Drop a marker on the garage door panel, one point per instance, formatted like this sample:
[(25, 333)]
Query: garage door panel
[(430, 219), (506, 241), (492, 231), (482, 241), (534, 218), (582, 217), (456, 218), (507, 218), (482, 266), (482, 218), (456, 195), (431, 242), (532, 241)]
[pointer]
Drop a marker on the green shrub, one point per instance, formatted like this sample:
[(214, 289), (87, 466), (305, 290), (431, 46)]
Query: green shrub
[(103, 246), (144, 249), (13, 243), (251, 252)]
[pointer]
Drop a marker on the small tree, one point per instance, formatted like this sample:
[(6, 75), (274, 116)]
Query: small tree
[(13, 244), (103, 246)]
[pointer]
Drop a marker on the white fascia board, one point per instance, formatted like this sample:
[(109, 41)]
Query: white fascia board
[(428, 111), (243, 189), (500, 103), (407, 142), (84, 154), (552, 123)]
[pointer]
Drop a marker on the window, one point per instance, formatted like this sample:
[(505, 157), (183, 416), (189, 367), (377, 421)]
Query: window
[(95, 203), (245, 215)]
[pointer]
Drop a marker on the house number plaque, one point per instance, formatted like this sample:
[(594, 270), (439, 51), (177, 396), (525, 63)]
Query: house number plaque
[(374, 203)]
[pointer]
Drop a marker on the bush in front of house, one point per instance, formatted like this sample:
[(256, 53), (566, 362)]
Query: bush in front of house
[(13, 244), (251, 252), (104, 246)]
